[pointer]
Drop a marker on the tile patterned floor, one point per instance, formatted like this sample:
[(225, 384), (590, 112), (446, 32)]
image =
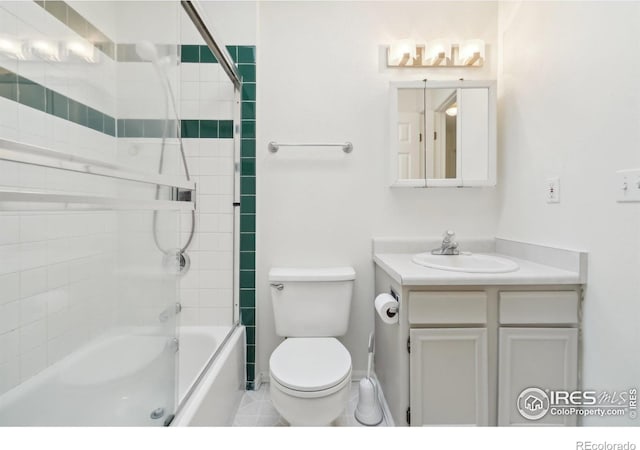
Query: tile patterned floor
[(256, 410)]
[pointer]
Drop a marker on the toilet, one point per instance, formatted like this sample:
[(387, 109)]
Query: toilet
[(310, 371)]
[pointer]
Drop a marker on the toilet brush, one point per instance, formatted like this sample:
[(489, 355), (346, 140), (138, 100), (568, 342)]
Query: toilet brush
[(368, 411)]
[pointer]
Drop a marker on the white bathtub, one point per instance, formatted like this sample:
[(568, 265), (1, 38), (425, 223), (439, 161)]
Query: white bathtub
[(215, 396), (120, 393)]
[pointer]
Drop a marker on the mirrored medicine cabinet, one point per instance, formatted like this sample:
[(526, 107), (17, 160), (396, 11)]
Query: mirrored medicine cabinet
[(443, 133)]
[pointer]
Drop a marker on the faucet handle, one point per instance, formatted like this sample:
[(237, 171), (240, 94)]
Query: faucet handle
[(449, 235)]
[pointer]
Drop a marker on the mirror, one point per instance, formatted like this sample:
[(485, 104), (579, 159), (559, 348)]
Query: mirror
[(443, 134)]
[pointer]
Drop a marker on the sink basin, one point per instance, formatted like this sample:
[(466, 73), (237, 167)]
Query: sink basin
[(466, 262)]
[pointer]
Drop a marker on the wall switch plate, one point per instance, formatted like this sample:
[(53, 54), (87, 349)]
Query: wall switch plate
[(628, 185), (552, 190)]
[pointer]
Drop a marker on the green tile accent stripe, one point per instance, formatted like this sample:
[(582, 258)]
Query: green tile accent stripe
[(76, 22), (240, 54), (245, 56), (147, 128), (206, 129), (128, 52), (29, 93)]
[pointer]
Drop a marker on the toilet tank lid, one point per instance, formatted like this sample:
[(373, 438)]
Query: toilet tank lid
[(316, 274)]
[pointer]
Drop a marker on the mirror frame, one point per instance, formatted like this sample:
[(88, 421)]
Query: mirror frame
[(394, 181)]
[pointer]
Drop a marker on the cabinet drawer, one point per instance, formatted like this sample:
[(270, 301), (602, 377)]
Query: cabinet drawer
[(431, 308), (539, 307)]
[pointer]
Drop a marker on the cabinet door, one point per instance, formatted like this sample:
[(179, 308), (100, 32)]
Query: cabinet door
[(545, 358), (448, 376)]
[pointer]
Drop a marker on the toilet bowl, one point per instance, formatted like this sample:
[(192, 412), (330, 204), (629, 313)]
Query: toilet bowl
[(310, 371), (310, 380)]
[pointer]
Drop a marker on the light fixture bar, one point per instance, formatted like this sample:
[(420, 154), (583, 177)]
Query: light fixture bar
[(437, 53)]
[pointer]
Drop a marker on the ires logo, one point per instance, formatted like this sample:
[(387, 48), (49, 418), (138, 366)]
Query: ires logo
[(574, 398), (534, 403)]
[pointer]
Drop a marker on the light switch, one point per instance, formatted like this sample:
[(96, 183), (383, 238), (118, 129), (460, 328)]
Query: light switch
[(628, 185)]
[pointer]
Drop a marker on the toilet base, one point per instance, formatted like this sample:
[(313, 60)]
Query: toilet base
[(317, 411)]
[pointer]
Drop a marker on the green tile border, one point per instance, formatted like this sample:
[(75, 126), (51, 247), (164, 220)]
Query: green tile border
[(251, 335), (247, 185), (247, 261), (247, 298), (190, 53), (208, 129), (34, 95), (247, 242), (245, 56), (248, 72)]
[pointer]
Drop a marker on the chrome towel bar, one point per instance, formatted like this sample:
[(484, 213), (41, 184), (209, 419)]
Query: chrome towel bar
[(347, 147)]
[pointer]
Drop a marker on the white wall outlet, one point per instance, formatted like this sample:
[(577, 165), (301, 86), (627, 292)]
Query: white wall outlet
[(628, 185), (552, 190)]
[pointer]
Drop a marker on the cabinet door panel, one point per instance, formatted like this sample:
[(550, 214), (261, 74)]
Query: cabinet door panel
[(546, 358), (448, 376)]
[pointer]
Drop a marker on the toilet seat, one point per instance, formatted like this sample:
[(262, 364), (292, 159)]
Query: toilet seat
[(304, 366)]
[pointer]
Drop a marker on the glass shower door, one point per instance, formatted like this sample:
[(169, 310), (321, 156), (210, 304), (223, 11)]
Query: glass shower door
[(89, 224)]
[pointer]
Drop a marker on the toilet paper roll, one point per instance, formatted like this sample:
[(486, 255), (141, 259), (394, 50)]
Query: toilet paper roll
[(383, 304)]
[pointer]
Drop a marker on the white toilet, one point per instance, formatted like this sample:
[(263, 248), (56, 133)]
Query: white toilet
[(310, 371)]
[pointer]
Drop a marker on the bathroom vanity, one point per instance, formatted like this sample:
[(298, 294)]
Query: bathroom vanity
[(467, 344)]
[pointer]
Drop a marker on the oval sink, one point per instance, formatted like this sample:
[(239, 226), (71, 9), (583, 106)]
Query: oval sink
[(466, 262)]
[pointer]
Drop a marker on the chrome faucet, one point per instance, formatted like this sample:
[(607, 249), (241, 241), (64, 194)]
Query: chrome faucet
[(449, 245)]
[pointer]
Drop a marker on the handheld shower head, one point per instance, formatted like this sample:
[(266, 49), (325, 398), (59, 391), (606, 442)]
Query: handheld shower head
[(147, 51)]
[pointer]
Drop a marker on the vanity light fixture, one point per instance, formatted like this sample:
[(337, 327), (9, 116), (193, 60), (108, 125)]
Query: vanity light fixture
[(11, 48), (48, 50), (45, 50), (82, 50), (436, 53), (471, 53), (402, 52)]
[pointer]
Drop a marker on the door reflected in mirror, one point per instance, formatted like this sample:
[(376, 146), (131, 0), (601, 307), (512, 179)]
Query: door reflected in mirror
[(411, 142), (444, 133), (427, 136)]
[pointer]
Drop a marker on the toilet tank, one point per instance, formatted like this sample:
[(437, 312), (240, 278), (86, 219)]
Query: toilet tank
[(311, 302)]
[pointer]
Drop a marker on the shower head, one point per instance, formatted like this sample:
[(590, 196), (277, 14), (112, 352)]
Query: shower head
[(147, 51)]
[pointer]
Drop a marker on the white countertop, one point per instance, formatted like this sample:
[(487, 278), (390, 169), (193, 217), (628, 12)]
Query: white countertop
[(404, 271)]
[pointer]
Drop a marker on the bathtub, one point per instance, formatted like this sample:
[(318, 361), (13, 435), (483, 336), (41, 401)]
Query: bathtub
[(121, 394), (211, 399)]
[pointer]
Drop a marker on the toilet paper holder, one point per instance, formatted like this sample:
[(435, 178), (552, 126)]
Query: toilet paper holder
[(391, 312)]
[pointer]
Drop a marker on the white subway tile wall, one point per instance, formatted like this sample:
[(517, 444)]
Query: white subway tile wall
[(55, 287), (206, 291)]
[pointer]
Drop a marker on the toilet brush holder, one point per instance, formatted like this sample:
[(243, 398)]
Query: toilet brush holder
[(368, 411)]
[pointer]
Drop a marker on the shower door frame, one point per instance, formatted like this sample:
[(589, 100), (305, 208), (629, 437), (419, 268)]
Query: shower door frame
[(194, 13)]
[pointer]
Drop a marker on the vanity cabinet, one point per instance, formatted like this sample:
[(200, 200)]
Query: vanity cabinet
[(471, 350)]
